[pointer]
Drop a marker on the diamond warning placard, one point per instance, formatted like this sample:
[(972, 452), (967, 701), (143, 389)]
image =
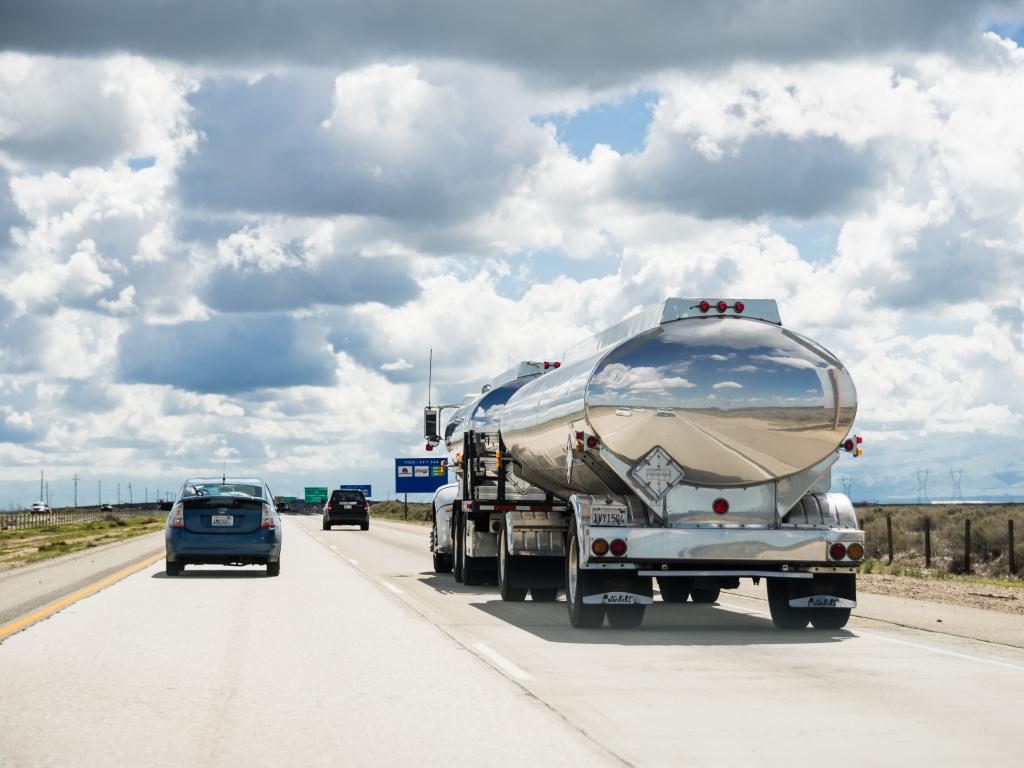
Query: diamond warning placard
[(656, 473)]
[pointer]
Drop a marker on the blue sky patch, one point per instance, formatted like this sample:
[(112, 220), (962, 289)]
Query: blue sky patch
[(138, 163), (620, 124)]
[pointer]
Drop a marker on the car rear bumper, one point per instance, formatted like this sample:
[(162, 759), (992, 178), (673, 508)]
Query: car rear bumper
[(259, 546), (346, 518)]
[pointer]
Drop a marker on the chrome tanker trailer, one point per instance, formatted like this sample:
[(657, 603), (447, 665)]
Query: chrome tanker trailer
[(690, 444)]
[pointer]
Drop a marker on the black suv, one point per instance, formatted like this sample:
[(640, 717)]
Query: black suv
[(347, 508)]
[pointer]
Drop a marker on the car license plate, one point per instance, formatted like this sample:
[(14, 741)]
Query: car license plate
[(223, 520), (608, 517)]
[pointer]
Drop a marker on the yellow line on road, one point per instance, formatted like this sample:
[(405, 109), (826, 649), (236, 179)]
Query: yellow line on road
[(42, 613)]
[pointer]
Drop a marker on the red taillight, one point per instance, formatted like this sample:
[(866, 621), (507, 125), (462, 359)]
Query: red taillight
[(366, 506), (738, 306), (618, 547), (704, 306), (557, 365), (430, 447), (837, 551), (721, 306), (591, 442), (546, 366), (720, 506), (849, 445), (177, 516), (267, 521)]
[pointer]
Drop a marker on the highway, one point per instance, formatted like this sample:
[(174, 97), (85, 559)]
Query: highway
[(359, 655)]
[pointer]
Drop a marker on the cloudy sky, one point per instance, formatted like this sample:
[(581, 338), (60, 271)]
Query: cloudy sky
[(231, 232)]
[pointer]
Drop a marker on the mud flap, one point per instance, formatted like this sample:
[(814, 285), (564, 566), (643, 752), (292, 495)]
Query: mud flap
[(822, 601)]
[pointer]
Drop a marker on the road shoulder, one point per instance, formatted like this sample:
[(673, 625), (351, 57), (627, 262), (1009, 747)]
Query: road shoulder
[(24, 590)]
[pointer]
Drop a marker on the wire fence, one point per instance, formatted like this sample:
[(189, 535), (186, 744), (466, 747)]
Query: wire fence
[(17, 521), (955, 539)]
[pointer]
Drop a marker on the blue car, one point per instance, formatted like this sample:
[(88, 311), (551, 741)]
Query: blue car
[(225, 521)]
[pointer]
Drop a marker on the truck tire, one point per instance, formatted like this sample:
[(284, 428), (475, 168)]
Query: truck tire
[(783, 615), (577, 583), (442, 563), (506, 564), (840, 585), (674, 590), (544, 594), (471, 576), (457, 544), (705, 594)]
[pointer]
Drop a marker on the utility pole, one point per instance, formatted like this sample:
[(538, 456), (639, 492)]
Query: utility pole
[(41, 486), (47, 493), (119, 494), (99, 493), (147, 497), (130, 502), (76, 490)]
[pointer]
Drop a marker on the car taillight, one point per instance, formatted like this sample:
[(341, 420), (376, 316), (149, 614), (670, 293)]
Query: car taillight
[(366, 506), (267, 521), (177, 516)]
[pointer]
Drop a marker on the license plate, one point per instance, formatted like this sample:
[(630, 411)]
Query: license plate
[(608, 517), (222, 520)]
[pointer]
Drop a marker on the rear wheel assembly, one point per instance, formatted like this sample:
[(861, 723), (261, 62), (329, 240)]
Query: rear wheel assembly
[(579, 582)]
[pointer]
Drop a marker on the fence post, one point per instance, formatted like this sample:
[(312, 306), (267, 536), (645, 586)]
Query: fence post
[(1013, 560), (888, 534), (927, 542), (967, 546)]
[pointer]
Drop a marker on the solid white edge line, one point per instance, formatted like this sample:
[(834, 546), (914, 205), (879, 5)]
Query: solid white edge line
[(501, 662), (354, 562), (393, 588), (861, 633)]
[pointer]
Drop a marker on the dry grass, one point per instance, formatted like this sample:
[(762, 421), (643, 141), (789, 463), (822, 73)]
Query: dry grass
[(30, 545), (395, 510), (989, 538)]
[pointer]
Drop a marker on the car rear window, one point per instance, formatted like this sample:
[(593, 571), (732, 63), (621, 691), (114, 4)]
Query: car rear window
[(223, 489), (346, 496)]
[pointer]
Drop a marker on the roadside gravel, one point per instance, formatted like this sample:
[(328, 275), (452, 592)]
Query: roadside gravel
[(986, 596)]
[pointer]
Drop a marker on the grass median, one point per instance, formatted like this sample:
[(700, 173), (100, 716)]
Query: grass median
[(30, 545)]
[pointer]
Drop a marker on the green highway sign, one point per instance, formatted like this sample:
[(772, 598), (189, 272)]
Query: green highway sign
[(314, 495)]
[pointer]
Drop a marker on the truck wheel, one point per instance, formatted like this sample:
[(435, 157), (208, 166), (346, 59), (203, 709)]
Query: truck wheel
[(626, 616), (470, 576), (457, 545), (508, 593), (674, 590), (442, 563), (705, 594), (840, 585), (544, 594), (577, 583), (783, 615)]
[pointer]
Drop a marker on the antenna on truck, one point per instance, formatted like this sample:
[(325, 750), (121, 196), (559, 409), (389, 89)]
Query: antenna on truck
[(430, 374)]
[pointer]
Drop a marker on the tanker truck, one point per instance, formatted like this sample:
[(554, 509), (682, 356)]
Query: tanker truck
[(690, 445)]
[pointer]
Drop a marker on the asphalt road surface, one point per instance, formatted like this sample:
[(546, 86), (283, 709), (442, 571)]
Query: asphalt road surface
[(359, 655)]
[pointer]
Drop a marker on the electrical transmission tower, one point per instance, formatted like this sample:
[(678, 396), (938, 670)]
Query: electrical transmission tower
[(847, 485), (956, 475), (922, 486)]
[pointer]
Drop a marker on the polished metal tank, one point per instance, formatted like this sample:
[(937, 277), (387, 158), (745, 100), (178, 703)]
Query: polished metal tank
[(732, 398)]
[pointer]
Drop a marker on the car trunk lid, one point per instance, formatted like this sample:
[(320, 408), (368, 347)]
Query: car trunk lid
[(223, 514)]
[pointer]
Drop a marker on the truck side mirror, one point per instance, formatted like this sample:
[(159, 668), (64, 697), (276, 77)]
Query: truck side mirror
[(430, 418)]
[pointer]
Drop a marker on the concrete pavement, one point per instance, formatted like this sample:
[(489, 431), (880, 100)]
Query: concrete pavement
[(359, 655)]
